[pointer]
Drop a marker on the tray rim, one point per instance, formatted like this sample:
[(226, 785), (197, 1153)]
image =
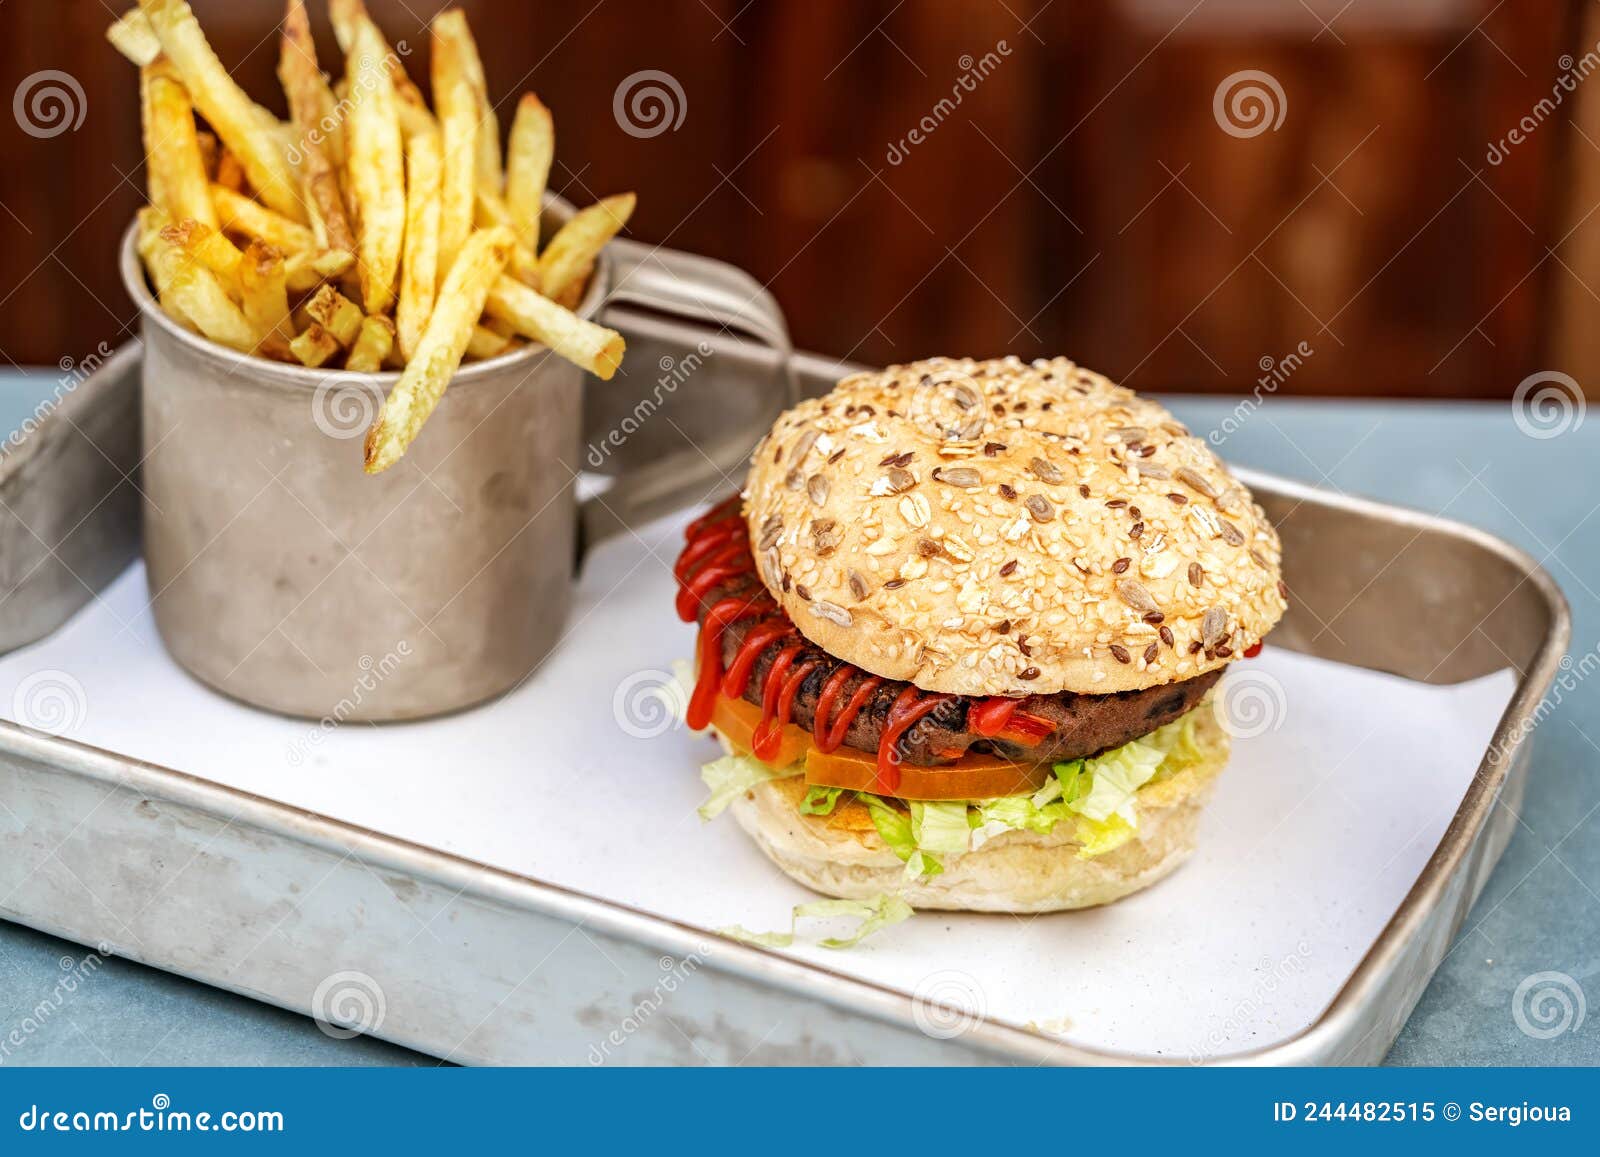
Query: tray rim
[(1317, 1043)]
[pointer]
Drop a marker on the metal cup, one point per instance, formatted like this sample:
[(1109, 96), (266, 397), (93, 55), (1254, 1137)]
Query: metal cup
[(282, 575)]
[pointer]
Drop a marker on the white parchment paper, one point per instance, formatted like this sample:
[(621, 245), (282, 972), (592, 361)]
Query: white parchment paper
[(1319, 827)]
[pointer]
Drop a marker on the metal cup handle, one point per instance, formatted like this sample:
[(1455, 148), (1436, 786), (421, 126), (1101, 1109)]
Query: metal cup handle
[(716, 294)]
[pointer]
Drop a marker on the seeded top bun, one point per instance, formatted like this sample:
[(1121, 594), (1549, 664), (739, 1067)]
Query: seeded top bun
[(1004, 528)]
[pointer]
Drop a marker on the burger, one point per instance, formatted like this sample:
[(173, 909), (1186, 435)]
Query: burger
[(962, 632)]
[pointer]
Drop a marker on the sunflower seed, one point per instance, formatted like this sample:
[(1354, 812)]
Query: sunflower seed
[(825, 536), (832, 612), (962, 476), (858, 585), (1230, 533), (1039, 507), (1197, 480), (1151, 470), (771, 530), (817, 488), (1044, 471), (803, 446), (1197, 574), (1213, 625), (914, 509), (1130, 433), (1132, 592), (900, 480), (794, 479)]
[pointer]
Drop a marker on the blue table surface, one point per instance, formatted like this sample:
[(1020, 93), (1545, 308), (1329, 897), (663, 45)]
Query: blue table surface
[(1540, 911)]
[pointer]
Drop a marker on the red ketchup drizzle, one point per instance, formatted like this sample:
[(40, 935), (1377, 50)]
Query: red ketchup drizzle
[(768, 735), (1252, 650), (905, 713), (990, 717), (717, 551), (721, 615), (728, 563), (744, 660), (721, 512), (828, 738), (714, 539)]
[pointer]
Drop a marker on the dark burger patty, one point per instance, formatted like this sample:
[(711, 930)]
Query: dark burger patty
[(1085, 725)]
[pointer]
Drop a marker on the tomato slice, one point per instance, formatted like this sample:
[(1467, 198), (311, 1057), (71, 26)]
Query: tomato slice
[(970, 777), (737, 721)]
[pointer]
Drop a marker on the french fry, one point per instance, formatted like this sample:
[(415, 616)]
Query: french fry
[(485, 343), (376, 169), (319, 133), (419, 267), (528, 155), (334, 312), (208, 247), (595, 348), (348, 17), (240, 122), (264, 298), (309, 268), (194, 291), (491, 210), (237, 213), (176, 167), (571, 252), (371, 346), (451, 27), (457, 106), (151, 221), (315, 347), (477, 267), (210, 152), (132, 36), (230, 173)]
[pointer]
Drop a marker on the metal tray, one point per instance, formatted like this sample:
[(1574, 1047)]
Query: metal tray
[(101, 837)]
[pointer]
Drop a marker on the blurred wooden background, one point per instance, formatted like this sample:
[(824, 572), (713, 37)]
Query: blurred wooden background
[(1081, 198)]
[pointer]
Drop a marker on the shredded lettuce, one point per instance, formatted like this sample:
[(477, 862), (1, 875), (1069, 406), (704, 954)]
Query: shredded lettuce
[(876, 914), (732, 776), (1099, 796), (820, 801)]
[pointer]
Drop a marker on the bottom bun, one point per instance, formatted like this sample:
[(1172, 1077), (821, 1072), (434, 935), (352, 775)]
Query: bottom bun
[(1017, 871)]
